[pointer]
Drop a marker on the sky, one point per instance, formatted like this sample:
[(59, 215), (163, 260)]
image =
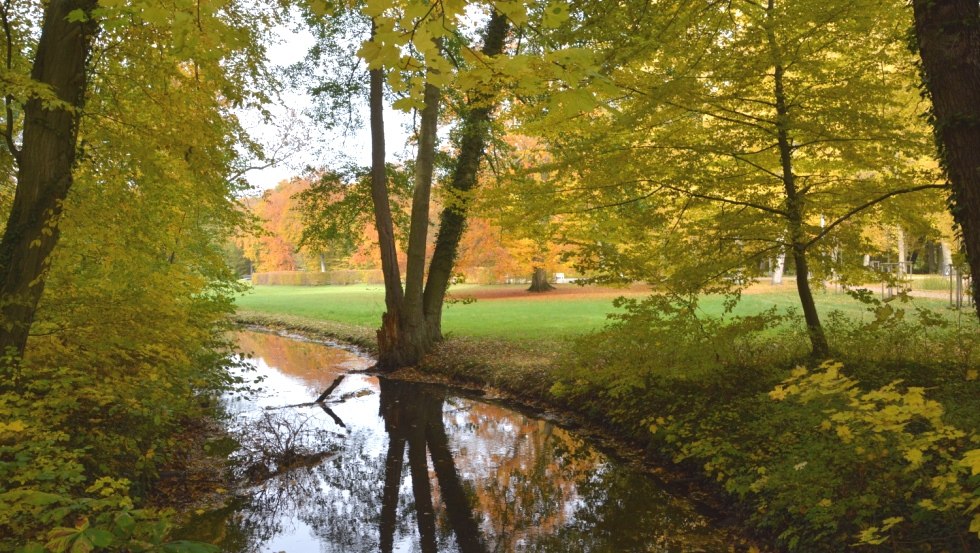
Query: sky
[(317, 148)]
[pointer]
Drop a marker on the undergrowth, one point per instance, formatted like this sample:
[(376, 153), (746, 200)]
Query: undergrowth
[(877, 450)]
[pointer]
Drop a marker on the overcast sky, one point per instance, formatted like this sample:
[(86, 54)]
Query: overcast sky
[(317, 147)]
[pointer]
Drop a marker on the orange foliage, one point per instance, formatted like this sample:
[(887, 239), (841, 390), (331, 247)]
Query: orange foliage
[(276, 247)]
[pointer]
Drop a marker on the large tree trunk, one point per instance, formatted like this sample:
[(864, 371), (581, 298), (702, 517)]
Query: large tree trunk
[(475, 131), (539, 281), (948, 33), (794, 204), (45, 163), (412, 321)]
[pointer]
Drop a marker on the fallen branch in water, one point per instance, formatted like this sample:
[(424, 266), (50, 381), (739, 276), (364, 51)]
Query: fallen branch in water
[(326, 393), (333, 415)]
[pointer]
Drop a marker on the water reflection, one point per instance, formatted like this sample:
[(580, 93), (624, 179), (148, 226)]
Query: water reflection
[(413, 415), (417, 468)]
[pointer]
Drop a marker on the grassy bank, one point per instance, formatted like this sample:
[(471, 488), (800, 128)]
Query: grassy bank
[(880, 453)]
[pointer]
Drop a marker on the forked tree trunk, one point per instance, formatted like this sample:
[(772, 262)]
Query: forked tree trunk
[(539, 281), (412, 321), (948, 34), (44, 167)]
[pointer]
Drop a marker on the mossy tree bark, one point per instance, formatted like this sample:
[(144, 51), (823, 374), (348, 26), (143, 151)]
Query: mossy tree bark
[(452, 221), (948, 37)]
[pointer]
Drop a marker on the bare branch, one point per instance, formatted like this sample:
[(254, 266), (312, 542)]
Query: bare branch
[(720, 199), (871, 203), (615, 204)]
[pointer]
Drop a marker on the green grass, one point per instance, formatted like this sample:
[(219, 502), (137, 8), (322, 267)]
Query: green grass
[(513, 318)]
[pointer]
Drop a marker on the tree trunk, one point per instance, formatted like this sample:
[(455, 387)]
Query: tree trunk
[(475, 132), (794, 203), (539, 281), (947, 259), (948, 34), (389, 335), (777, 272), (820, 349), (902, 252), (414, 332), (44, 168)]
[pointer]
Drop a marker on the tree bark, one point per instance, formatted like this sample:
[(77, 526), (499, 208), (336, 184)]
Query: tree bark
[(539, 281), (44, 169), (412, 321), (902, 253), (415, 339), (948, 36), (777, 271), (794, 203), (475, 132), (389, 335)]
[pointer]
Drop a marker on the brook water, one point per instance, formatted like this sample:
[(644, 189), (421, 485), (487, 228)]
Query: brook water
[(385, 465)]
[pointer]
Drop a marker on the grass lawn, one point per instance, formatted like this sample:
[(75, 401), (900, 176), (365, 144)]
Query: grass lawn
[(508, 312)]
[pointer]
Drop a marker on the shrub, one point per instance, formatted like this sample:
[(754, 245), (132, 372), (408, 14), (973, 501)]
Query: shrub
[(821, 461)]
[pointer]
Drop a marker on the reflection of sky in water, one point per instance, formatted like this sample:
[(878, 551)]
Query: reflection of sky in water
[(532, 486)]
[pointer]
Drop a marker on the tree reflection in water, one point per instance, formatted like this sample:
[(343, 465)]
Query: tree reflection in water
[(413, 415), (479, 477)]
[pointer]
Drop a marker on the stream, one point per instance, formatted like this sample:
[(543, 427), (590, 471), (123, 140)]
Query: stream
[(385, 465)]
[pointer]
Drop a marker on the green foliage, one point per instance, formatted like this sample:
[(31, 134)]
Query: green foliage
[(902, 332), (127, 344), (337, 207), (671, 336), (820, 461), (899, 467)]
